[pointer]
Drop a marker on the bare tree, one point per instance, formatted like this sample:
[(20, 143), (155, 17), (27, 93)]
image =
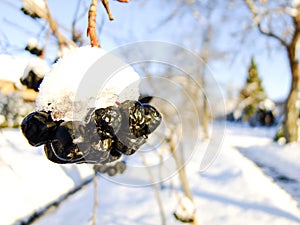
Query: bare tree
[(278, 20), (266, 16)]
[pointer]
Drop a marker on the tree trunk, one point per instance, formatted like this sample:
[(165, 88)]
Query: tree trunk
[(290, 126)]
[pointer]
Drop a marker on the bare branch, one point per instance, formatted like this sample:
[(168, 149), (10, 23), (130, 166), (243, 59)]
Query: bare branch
[(156, 190), (257, 21), (96, 203), (19, 27), (46, 15), (77, 36), (106, 6), (91, 30), (271, 34)]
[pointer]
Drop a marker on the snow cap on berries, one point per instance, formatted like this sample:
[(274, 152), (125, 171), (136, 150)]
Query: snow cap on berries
[(37, 66), (29, 7), (185, 210), (80, 80), (32, 43), (64, 50)]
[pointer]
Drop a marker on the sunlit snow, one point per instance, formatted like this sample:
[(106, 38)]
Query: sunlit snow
[(84, 78)]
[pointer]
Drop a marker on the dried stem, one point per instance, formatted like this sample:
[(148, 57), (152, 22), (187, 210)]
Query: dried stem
[(96, 203), (156, 191), (45, 14), (91, 31), (106, 6), (182, 175), (62, 40), (256, 18)]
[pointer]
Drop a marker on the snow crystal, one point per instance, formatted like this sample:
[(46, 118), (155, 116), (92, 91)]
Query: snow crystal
[(86, 77)]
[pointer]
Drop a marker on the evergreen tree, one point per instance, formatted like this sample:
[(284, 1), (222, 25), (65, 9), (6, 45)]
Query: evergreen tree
[(253, 92)]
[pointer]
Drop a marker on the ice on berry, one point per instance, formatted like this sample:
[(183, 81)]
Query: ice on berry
[(86, 77)]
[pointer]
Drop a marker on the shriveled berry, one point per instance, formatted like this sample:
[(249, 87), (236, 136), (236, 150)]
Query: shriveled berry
[(97, 156), (66, 141), (120, 166), (50, 154), (38, 127), (109, 116), (100, 168), (152, 119), (111, 171)]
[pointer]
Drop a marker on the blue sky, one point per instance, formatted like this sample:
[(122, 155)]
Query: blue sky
[(138, 21)]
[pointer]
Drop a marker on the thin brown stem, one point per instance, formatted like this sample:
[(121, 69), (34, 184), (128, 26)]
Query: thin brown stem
[(156, 191), (91, 31), (182, 175), (257, 20), (106, 6), (123, 1), (96, 203)]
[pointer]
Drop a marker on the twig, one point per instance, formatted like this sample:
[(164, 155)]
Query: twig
[(156, 191), (106, 6), (257, 21), (19, 26), (76, 35), (182, 175), (271, 34), (91, 30), (96, 203), (46, 15), (54, 27)]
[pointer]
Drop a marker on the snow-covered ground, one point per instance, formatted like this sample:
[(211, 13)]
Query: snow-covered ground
[(29, 182), (234, 190)]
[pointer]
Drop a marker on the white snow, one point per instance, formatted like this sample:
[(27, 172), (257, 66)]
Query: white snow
[(32, 43), (86, 78), (28, 3), (234, 190), (64, 50), (12, 68), (185, 209), (38, 66), (267, 104), (28, 180)]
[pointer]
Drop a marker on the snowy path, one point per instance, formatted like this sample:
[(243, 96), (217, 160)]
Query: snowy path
[(232, 191), (281, 163)]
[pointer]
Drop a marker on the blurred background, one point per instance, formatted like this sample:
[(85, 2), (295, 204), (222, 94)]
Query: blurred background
[(249, 80)]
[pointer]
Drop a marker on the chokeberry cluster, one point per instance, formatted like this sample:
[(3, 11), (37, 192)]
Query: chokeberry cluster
[(111, 169), (107, 134)]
